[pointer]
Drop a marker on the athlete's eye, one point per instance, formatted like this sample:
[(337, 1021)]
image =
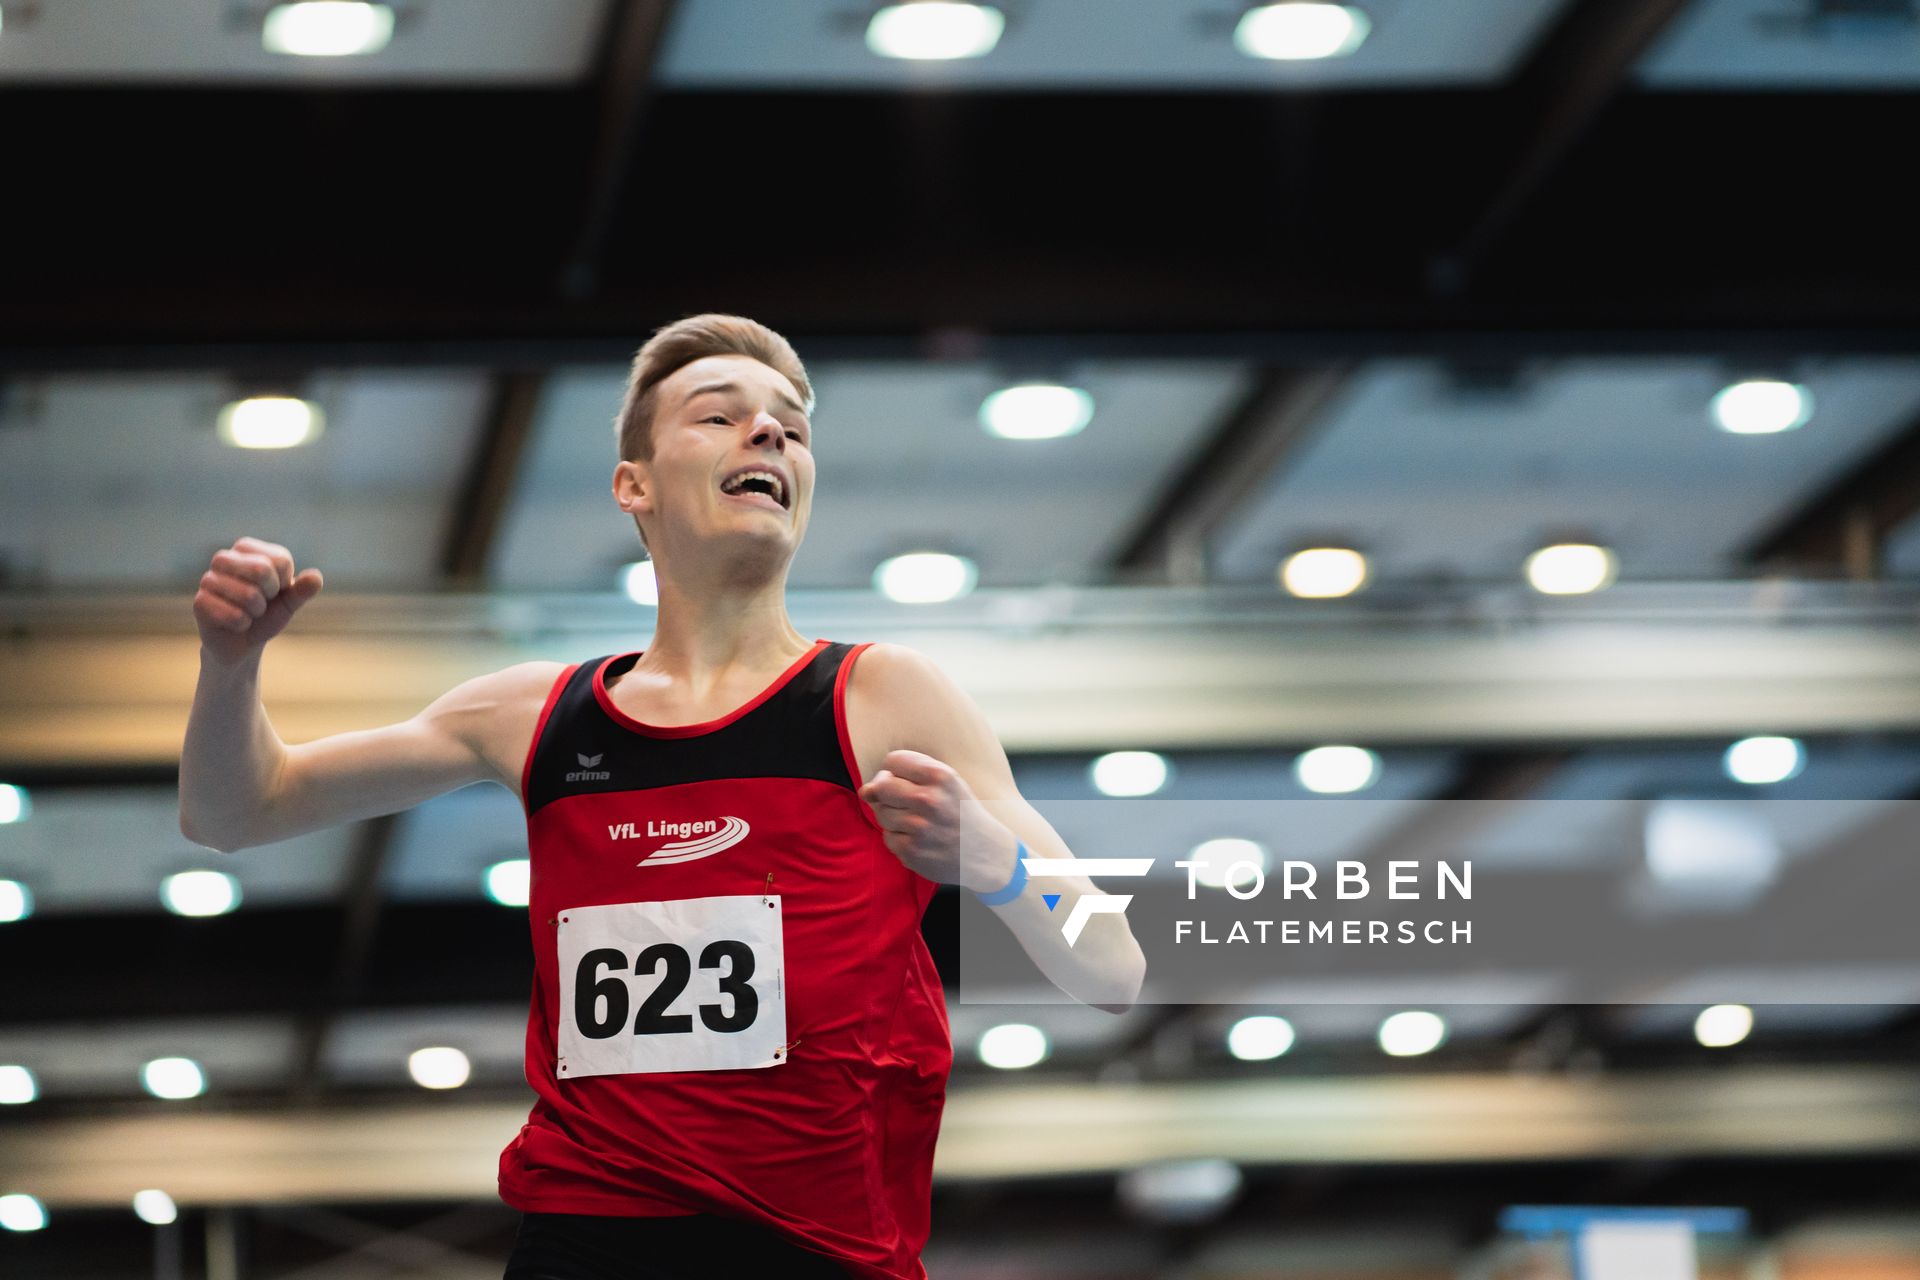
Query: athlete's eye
[(794, 434), (716, 417)]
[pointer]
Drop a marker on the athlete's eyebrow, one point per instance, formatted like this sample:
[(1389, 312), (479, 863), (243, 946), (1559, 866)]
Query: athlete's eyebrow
[(735, 387)]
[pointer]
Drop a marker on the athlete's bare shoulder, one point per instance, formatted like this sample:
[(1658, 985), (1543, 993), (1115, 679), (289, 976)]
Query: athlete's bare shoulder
[(892, 690), (496, 714)]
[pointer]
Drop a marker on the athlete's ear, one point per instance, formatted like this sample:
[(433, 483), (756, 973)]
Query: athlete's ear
[(633, 487)]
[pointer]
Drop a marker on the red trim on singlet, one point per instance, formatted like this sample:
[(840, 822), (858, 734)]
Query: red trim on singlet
[(691, 730), (846, 739), (539, 726)]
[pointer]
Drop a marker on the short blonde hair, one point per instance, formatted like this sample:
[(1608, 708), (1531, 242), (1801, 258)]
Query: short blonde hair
[(679, 344)]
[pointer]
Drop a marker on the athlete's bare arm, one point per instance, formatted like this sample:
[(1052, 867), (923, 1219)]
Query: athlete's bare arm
[(940, 784), (241, 786)]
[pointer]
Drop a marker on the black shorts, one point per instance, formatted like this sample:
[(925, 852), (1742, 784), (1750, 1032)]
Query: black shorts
[(580, 1246)]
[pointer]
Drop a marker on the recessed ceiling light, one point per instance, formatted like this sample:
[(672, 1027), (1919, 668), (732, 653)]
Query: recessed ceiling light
[(925, 577), (14, 804), (21, 1212), (1260, 1038), (1129, 773), (1333, 771), (509, 883), (17, 1085), (173, 1078), (1762, 406), (1570, 569), (270, 422), (200, 893), (1408, 1035), (1323, 573), (935, 30), (440, 1067), (16, 901), (1298, 29), (1723, 1025), (1223, 856), (327, 28), (1036, 411), (1761, 761), (1013, 1045), (154, 1207), (640, 584)]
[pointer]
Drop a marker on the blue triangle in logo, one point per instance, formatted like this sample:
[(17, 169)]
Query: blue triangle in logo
[(1051, 899)]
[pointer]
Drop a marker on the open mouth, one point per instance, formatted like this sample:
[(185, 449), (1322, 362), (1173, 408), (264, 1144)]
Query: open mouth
[(763, 486)]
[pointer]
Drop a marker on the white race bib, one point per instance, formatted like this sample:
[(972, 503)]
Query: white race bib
[(693, 985)]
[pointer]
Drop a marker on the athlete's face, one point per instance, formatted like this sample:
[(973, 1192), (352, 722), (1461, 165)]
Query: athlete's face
[(713, 419)]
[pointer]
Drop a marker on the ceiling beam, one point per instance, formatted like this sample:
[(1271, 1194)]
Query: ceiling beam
[(481, 503), (636, 30), (1579, 66), (1844, 527), (1248, 451)]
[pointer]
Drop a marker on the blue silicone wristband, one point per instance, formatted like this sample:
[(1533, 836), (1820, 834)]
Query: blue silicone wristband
[(999, 897)]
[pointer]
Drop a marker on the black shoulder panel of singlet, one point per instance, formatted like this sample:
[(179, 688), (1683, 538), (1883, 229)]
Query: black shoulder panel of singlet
[(583, 750)]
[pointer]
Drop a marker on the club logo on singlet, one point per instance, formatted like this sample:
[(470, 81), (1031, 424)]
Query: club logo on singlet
[(586, 772), (700, 839)]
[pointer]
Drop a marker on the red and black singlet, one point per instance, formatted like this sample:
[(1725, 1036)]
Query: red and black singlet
[(733, 1009)]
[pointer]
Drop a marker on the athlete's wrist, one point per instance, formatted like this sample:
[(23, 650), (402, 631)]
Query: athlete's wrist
[(1015, 883)]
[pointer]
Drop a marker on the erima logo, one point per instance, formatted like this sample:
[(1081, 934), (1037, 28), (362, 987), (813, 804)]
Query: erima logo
[(699, 839), (1088, 905), (586, 772)]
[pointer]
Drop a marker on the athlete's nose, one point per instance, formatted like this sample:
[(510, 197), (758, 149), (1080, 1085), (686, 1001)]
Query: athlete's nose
[(766, 426)]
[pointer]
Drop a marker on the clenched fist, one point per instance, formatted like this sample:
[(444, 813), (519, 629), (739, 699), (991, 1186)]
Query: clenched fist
[(247, 597)]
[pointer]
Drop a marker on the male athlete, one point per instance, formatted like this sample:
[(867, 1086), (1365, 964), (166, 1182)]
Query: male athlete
[(737, 1039)]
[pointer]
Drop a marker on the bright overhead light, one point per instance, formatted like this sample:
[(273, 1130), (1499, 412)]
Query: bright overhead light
[(1760, 761), (1036, 411), (1129, 773), (1260, 1038), (200, 893), (327, 28), (17, 1085), (640, 583), (155, 1207), (1322, 573), (15, 806), (925, 577), (1013, 1045), (270, 422), (509, 883), (1336, 771), (1762, 406), (16, 901), (1223, 856), (1408, 1035), (439, 1067), (1723, 1025), (935, 30), (21, 1212), (1295, 30), (1570, 569), (173, 1078), (1180, 1191)]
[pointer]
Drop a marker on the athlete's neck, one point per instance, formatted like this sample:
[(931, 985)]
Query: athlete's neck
[(705, 636)]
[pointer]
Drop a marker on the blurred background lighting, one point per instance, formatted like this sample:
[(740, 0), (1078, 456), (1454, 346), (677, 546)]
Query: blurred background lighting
[(1570, 569), (1129, 773), (17, 1085), (1036, 411), (509, 883), (173, 1078), (1175, 1191), (327, 28), (1760, 761), (200, 893), (1336, 770), (925, 577), (1013, 1045), (1295, 29), (1323, 573), (19, 1212), (640, 584), (14, 804), (270, 422), (1220, 856), (1410, 1034), (935, 30), (155, 1207), (1762, 406), (16, 901), (1723, 1025), (1259, 1038), (438, 1067)]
